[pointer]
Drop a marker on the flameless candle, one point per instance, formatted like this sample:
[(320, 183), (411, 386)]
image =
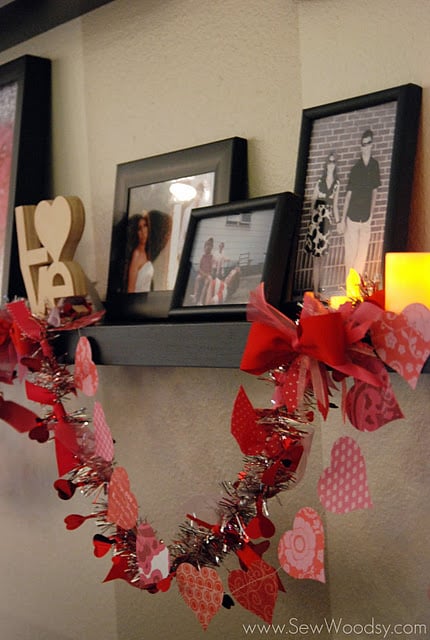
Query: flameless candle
[(407, 280)]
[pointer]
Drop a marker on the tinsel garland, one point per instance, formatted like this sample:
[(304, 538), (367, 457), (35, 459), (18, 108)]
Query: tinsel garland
[(274, 441)]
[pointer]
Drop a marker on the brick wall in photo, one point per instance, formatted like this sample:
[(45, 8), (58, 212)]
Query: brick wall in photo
[(341, 134)]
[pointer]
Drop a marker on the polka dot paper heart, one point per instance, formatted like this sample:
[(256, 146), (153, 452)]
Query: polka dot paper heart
[(85, 375), (342, 486), (202, 591), (122, 504), (400, 345), (256, 589), (301, 550), (104, 447)]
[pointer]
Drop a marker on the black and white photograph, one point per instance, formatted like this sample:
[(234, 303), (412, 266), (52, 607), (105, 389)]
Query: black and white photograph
[(354, 177)]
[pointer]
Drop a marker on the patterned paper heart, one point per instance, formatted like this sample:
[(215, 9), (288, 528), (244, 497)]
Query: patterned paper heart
[(256, 589), (400, 345), (244, 426), (122, 504), (301, 550), (152, 556), (85, 375), (202, 591), (369, 407), (342, 486), (104, 447)]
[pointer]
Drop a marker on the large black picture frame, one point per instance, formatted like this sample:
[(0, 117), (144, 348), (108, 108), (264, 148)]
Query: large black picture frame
[(225, 161), (257, 239), (25, 121), (336, 128)]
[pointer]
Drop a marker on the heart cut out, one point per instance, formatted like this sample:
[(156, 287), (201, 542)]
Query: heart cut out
[(122, 504), (369, 407), (255, 589), (152, 556), (342, 486), (400, 345), (104, 447), (85, 375), (202, 591), (102, 545), (59, 224), (301, 550)]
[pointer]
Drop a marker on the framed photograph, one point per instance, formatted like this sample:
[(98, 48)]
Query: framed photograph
[(25, 105), (229, 250), (354, 173), (154, 198)]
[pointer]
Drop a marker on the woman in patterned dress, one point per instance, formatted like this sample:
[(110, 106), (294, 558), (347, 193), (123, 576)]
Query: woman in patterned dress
[(324, 213)]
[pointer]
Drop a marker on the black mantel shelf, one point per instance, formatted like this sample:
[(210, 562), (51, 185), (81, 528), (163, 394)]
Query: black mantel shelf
[(196, 344), (203, 344)]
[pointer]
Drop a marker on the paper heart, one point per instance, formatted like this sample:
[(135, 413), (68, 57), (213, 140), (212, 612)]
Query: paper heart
[(85, 375), (342, 486), (104, 447), (369, 407), (102, 545), (400, 345), (301, 550), (244, 427), (59, 225), (152, 556), (260, 527), (202, 591), (418, 316), (122, 504), (255, 589)]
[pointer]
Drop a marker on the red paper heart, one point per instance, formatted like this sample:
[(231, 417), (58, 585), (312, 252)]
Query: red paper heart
[(301, 550), (122, 504), (369, 407), (65, 488), (102, 545), (85, 375), (256, 589), (244, 427), (400, 345), (260, 527), (342, 486), (202, 591)]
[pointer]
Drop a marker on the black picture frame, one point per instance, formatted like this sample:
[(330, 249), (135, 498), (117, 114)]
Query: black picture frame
[(25, 122), (336, 128), (219, 168), (258, 238)]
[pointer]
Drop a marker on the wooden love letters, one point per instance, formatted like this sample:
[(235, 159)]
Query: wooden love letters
[(48, 234)]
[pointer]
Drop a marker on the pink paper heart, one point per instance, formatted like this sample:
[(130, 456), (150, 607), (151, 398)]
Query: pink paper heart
[(152, 556), (85, 376), (301, 550), (342, 486), (104, 447), (202, 591), (256, 589), (122, 504), (400, 345), (418, 316)]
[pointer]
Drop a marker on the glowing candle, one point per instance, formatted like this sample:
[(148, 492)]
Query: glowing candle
[(407, 280), (353, 291)]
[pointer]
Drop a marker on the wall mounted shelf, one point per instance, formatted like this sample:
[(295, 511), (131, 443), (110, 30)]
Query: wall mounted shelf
[(194, 344)]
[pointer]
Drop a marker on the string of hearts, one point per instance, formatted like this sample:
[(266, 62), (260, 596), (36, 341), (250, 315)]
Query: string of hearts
[(305, 361)]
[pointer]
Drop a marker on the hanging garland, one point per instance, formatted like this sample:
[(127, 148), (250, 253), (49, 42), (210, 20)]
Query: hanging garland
[(304, 361)]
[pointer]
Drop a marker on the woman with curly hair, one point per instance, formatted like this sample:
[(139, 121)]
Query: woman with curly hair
[(148, 234)]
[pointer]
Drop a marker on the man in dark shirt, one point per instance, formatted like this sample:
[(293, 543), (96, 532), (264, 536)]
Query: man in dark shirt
[(359, 206)]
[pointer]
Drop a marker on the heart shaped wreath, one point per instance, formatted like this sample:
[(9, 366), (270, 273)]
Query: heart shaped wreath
[(304, 361)]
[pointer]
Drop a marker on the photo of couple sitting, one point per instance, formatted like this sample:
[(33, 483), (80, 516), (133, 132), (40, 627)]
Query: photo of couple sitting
[(217, 277)]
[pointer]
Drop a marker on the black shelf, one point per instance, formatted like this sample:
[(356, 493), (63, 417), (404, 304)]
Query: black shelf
[(203, 344)]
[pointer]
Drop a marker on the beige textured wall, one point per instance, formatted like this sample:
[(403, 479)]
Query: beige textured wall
[(140, 77)]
